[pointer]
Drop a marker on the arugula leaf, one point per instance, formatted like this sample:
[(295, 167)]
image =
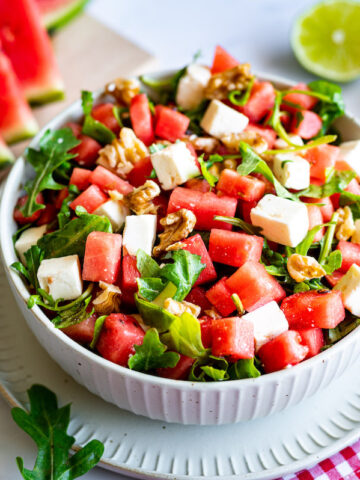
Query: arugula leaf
[(152, 354), (146, 265), (333, 335), (209, 368), (71, 239), (183, 272), (47, 425), (184, 336), (33, 258), (18, 232), (154, 315), (332, 262), (54, 147), (238, 222), (91, 127), (241, 97), (244, 368), (251, 162), (157, 147), (303, 247), (99, 323), (353, 201), (299, 148), (65, 211), (205, 165), (329, 109), (328, 238), (150, 288), (195, 115), (275, 119), (165, 88), (336, 182)]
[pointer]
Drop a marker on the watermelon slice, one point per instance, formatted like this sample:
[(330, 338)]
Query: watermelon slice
[(56, 13), (16, 120), (6, 156), (25, 41)]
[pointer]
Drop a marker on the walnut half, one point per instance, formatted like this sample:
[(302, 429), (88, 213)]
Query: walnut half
[(345, 227), (178, 308), (254, 139), (140, 200), (221, 84), (177, 226), (121, 155), (301, 268), (123, 89), (108, 301)]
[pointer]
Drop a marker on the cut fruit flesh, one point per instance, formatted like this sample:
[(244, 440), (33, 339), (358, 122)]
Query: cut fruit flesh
[(56, 13), (16, 120), (6, 155), (326, 40), (25, 41)]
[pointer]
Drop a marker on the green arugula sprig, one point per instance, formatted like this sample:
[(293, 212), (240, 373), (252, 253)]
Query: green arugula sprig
[(91, 127), (71, 238), (352, 201), (47, 425), (241, 97), (54, 151), (152, 354), (65, 211), (335, 182), (238, 222), (33, 258)]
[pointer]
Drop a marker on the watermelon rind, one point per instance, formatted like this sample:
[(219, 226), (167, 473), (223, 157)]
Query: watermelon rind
[(22, 132), (53, 94), (61, 16), (6, 157)]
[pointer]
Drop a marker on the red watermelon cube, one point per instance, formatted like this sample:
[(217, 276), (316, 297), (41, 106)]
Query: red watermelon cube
[(233, 337), (102, 257), (234, 248)]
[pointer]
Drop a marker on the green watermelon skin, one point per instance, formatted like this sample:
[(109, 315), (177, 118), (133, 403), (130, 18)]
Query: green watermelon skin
[(57, 13), (6, 156), (25, 41), (16, 119)]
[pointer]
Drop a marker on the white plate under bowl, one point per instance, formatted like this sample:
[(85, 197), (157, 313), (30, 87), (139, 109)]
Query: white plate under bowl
[(139, 447)]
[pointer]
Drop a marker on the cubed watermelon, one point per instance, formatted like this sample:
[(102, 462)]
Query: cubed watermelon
[(18, 215), (261, 101), (90, 199), (244, 187), (80, 177), (320, 309), (220, 297), (255, 286), (350, 254), (267, 133), (180, 372), (170, 124), (284, 350), (321, 158), (141, 119), (222, 61), (315, 219), (82, 332), (306, 124), (104, 113), (102, 257), (107, 180), (204, 205), (300, 101), (326, 210), (117, 338), (197, 296), (233, 337), (313, 338), (140, 172), (234, 248), (87, 151), (129, 274)]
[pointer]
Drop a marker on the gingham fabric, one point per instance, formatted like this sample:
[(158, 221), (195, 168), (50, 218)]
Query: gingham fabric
[(345, 465)]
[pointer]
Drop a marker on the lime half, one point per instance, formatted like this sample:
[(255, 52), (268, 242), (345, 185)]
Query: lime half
[(326, 40)]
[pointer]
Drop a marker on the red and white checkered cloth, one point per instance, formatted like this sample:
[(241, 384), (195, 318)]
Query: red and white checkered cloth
[(345, 465)]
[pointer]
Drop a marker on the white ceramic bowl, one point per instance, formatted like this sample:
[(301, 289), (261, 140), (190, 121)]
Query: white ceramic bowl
[(161, 398)]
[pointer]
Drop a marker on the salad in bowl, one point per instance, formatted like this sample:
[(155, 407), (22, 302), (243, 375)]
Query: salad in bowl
[(202, 226)]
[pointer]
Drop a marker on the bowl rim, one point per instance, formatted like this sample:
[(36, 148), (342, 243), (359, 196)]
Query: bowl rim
[(13, 183)]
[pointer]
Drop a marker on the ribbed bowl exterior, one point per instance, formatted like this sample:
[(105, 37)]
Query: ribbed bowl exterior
[(163, 399)]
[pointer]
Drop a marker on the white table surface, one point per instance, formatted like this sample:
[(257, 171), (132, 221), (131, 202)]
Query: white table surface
[(252, 30)]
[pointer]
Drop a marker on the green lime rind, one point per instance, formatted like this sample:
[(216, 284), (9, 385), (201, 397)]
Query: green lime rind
[(60, 17), (6, 157), (313, 42)]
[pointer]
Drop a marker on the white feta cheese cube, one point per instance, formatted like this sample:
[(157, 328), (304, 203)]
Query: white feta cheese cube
[(139, 232), (356, 235), (174, 165), (291, 170), (350, 153), (190, 90), (349, 286), (27, 239), (220, 120), (269, 321), (115, 211), (282, 220), (295, 139), (61, 277)]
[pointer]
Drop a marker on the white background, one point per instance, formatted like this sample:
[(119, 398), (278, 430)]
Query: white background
[(257, 31)]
